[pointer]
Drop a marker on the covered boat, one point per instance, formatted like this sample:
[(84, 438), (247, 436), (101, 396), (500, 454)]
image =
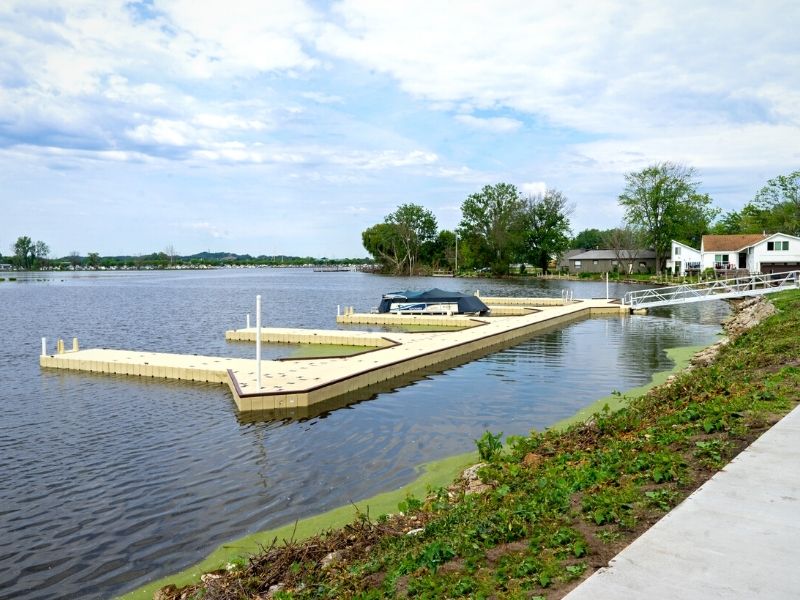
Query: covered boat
[(432, 302)]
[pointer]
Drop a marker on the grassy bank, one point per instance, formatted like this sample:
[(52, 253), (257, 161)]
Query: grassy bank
[(555, 506), (433, 475)]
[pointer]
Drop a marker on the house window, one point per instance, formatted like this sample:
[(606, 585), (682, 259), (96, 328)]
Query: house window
[(772, 246), (677, 250), (720, 258), (594, 262), (642, 265), (577, 264), (614, 263)]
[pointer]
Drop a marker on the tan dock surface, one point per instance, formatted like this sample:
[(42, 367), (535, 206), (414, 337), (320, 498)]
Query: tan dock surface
[(302, 382)]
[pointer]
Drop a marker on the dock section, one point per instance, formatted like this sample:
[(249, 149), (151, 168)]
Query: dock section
[(292, 383)]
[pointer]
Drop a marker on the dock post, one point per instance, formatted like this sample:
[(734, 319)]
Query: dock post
[(248, 320), (74, 344), (606, 286), (338, 309), (258, 342), (44, 346), (60, 346)]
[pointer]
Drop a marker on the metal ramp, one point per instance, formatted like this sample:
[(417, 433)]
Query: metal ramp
[(740, 287)]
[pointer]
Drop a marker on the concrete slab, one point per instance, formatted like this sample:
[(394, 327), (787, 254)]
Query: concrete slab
[(735, 537)]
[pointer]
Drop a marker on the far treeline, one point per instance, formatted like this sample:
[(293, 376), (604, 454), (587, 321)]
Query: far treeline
[(500, 227), (28, 255)]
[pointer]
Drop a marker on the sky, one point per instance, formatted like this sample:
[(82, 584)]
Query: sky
[(289, 127)]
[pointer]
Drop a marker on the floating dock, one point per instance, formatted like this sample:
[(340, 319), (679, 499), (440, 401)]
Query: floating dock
[(290, 383)]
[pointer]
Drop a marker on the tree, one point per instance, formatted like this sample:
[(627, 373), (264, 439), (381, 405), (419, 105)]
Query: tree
[(170, 252), (492, 224), (627, 244), (414, 226), (23, 251), (589, 239), (730, 223), (40, 252), (404, 235), (74, 258), (547, 229), (93, 260), (776, 206), (662, 199)]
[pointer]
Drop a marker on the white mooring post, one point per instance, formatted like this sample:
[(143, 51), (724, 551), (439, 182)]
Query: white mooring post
[(248, 320), (258, 342), (606, 286), (338, 310), (44, 346)]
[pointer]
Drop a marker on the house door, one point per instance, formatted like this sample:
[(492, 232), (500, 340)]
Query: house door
[(742, 260), (677, 267)]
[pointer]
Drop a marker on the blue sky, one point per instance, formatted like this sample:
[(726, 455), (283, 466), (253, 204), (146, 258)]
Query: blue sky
[(289, 127)]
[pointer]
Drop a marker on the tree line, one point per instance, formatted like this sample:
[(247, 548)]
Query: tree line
[(499, 226), (33, 256)]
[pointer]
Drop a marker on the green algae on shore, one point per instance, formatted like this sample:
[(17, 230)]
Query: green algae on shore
[(435, 474)]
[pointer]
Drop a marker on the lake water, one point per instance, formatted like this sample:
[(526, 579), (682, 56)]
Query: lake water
[(107, 482)]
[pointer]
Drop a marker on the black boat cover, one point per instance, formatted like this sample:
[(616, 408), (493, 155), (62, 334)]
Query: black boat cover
[(466, 303)]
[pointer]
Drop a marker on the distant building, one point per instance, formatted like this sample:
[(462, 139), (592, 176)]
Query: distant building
[(563, 261), (6, 267), (751, 253), (603, 261)]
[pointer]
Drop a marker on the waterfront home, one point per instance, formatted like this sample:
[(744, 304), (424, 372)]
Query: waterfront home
[(737, 254), (604, 261)]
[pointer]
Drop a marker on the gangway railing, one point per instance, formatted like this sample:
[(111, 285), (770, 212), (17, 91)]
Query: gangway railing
[(718, 289)]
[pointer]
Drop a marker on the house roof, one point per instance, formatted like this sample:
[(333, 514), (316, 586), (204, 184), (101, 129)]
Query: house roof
[(731, 243), (611, 255)]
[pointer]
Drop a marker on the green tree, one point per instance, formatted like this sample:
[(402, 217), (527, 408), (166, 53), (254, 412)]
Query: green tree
[(547, 227), (493, 224), (662, 199), (93, 260), (23, 252), (730, 223), (40, 253), (414, 226), (776, 206), (382, 242), (589, 239), (404, 236)]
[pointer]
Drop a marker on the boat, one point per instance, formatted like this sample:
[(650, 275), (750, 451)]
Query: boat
[(432, 302), (332, 269)]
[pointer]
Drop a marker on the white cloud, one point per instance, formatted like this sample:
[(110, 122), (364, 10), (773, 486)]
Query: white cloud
[(533, 188), (493, 124), (715, 147), (599, 67), (323, 98)]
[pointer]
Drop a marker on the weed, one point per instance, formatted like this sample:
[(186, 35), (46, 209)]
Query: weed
[(489, 445)]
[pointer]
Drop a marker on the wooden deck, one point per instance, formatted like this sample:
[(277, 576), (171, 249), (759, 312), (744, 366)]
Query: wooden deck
[(304, 382)]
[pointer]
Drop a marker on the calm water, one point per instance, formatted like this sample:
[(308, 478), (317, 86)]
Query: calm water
[(108, 482)]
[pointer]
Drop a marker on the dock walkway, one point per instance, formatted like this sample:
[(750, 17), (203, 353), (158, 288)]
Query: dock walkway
[(292, 383), (733, 538)]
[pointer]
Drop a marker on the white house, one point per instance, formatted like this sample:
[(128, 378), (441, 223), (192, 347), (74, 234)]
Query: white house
[(754, 253), (776, 253), (683, 258)]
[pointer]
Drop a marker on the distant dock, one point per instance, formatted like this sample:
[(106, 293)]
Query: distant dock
[(290, 383)]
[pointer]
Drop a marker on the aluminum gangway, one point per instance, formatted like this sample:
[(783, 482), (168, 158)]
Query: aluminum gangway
[(717, 289)]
